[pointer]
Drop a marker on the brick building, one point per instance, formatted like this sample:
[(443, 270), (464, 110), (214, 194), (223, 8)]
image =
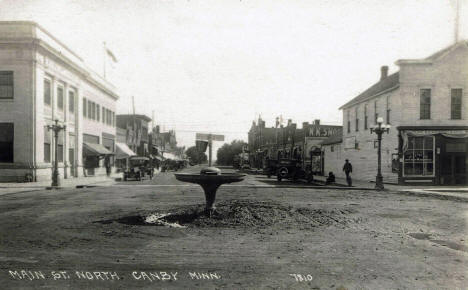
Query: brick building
[(136, 128), (42, 80), (425, 102), (289, 142)]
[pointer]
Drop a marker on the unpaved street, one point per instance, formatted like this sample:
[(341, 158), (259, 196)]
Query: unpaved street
[(263, 238)]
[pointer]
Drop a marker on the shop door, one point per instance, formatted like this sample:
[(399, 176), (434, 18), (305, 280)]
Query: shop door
[(453, 169)]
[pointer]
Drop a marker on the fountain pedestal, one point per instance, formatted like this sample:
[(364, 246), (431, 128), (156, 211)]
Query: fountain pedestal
[(210, 179)]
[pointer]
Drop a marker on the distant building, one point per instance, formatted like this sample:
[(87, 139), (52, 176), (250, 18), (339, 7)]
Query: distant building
[(42, 80), (136, 127), (289, 142), (161, 142), (426, 104)]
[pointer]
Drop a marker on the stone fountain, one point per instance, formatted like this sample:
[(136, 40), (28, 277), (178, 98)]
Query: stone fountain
[(210, 179)]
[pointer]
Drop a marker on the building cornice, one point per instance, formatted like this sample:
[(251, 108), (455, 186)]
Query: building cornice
[(84, 73)]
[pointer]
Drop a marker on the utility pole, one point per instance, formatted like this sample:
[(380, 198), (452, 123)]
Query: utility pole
[(457, 20), (210, 143)]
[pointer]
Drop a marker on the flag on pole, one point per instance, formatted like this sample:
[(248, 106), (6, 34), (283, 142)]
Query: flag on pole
[(111, 55)]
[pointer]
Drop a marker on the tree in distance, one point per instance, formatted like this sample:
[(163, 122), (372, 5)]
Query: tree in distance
[(195, 156), (225, 154)]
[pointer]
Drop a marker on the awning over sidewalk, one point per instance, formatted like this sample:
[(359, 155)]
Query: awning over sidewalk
[(123, 151), (171, 156), (158, 157), (92, 149)]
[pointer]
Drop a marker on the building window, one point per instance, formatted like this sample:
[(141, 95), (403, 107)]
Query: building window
[(108, 117), (376, 114), (103, 115), (356, 113), (60, 153), (47, 97), (90, 109), (85, 114), (6, 142), (365, 117), (388, 109), (98, 111), (47, 142), (71, 102), (93, 114), (332, 149), (456, 105), (60, 98), (6, 85), (419, 157), (349, 121), (425, 104)]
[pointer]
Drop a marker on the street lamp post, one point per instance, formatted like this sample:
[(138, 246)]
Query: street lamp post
[(379, 129), (56, 128)]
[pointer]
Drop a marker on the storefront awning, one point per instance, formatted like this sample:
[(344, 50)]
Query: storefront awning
[(92, 149), (123, 151), (171, 156)]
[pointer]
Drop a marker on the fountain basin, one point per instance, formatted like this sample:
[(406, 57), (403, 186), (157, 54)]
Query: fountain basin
[(210, 184)]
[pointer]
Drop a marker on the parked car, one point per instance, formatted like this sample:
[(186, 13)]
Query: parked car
[(138, 168), (292, 169), (270, 167)]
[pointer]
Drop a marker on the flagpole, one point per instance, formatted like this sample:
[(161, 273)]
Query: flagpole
[(457, 20), (104, 57)]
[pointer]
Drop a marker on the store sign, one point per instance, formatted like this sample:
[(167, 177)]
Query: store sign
[(323, 131), (208, 137)]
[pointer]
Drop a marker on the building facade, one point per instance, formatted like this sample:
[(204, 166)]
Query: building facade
[(425, 103), (289, 142), (136, 127), (42, 80)]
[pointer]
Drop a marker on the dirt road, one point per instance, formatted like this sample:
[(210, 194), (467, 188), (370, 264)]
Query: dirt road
[(263, 238)]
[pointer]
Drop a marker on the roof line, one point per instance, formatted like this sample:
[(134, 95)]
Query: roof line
[(368, 98)]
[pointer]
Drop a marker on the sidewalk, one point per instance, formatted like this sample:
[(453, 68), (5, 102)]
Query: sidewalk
[(446, 192), (7, 188)]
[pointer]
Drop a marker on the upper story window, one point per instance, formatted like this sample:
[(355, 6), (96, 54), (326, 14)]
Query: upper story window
[(85, 104), (103, 115), (6, 85), (98, 111), (425, 104), (456, 104), (365, 116), (60, 98), (376, 113), (93, 111), (47, 91), (356, 113), (90, 109), (349, 121), (71, 102), (388, 109)]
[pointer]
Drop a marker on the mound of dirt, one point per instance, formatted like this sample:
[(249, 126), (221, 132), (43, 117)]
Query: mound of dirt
[(248, 213)]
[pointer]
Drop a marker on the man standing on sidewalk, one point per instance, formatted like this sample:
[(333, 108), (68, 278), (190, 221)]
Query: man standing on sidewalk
[(348, 168)]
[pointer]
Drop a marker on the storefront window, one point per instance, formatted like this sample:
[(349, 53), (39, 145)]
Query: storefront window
[(419, 158)]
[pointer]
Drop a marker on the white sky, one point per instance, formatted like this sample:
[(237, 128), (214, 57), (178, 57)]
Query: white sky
[(215, 65)]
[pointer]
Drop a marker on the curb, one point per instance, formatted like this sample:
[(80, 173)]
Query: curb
[(430, 194)]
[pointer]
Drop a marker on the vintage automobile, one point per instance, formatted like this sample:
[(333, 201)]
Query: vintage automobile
[(270, 167), (138, 168), (292, 169)]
